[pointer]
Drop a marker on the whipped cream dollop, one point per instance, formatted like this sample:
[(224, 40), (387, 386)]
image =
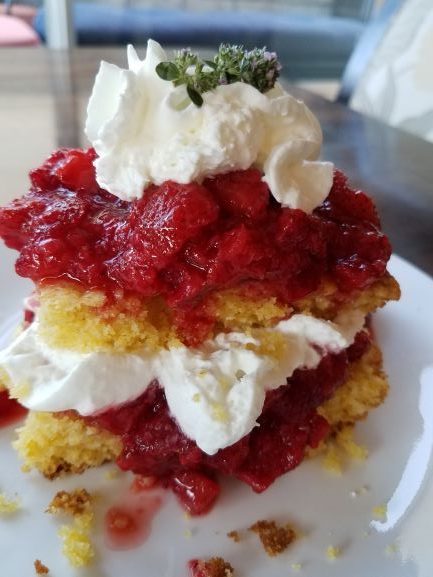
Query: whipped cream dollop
[(216, 392), (145, 130)]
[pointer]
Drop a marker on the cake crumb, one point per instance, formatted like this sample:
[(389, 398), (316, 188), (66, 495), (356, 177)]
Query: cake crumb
[(391, 549), (333, 553), (72, 503), (349, 446), (40, 568), (8, 506), (234, 536), (187, 533), (361, 491), (112, 474), (77, 546), (275, 540), (332, 460), (340, 447), (380, 512), (213, 567), (296, 566)]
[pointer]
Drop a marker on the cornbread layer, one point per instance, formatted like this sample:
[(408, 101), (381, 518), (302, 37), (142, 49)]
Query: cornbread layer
[(55, 444), (87, 321)]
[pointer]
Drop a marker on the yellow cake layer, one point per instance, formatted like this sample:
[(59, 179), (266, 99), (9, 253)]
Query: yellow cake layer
[(54, 444), (328, 301), (85, 322), (365, 388)]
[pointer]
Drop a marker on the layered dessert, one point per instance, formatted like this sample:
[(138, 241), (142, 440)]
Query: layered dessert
[(203, 283)]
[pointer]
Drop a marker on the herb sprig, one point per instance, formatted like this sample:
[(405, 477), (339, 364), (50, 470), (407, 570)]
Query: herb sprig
[(257, 67)]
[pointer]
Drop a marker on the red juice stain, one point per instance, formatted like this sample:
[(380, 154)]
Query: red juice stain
[(10, 410), (141, 484), (128, 524)]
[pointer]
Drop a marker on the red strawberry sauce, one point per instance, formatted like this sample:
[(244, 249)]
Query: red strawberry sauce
[(181, 242), (10, 410)]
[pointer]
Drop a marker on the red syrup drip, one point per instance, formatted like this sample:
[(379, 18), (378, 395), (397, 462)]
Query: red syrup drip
[(128, 523), (10, 410)]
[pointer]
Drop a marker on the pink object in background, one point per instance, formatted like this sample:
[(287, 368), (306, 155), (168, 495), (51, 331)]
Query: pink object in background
[(16, 32)]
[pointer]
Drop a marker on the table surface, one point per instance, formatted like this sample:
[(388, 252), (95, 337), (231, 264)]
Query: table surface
[(43, 96)]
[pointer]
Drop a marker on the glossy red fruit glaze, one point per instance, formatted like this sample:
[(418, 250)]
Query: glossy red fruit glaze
[(241, 193), (196, 491), (157, 228), (182, 241), (154, 445), (10, 410), (76, 171), (348, 208)]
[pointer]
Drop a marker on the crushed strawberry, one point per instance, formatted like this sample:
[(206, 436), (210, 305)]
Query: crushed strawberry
[(196, 491)]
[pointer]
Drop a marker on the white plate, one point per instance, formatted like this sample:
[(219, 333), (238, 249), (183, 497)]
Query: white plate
[(399, 436)]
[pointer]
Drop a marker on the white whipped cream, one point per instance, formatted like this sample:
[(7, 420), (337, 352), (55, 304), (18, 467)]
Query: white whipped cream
[(146, 131), (215, 392)]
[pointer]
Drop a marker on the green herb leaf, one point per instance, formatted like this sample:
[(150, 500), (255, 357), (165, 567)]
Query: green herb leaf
[(211, 64), (257, 67), (195, 96), (167, 71)]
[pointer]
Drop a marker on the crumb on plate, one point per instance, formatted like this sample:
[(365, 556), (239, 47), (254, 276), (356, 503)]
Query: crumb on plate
[(234, 536), (40, 568), (8, 506), (111, 474), (213, 567), (333, 552), (380, 512), (72, 503), (77, 545), (391, 549), (275, 539)]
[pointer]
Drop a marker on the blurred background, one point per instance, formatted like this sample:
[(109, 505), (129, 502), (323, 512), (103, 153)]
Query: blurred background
[(313, 38)]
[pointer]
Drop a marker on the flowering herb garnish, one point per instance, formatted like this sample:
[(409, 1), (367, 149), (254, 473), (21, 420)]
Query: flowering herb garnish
[(257, 67)]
